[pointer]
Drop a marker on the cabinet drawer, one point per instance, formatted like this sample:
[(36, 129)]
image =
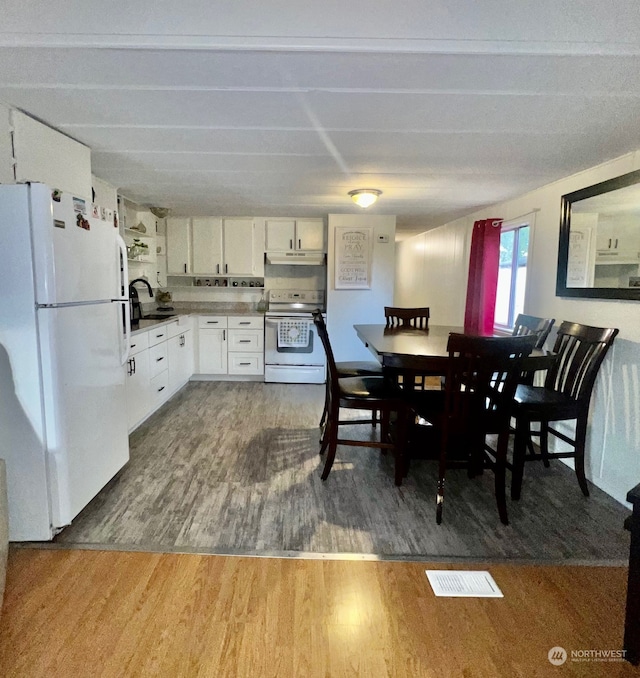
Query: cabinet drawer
[(159, 388), (246, 363), (158, 358), (157, 335), (246, 340), (139, 342), (246, 322), (212, 322), (179, 326)]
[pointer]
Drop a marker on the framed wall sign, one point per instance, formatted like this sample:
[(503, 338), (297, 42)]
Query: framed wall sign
[(353, 256)]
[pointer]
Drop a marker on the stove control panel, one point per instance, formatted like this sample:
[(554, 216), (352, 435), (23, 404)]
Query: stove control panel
[(296, 296)]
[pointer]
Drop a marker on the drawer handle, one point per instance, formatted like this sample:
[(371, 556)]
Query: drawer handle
[(161, 389), (159, 359), (244, 322), (159, 336), (244, 341), (242, 364), (212, 322), (133, 345)]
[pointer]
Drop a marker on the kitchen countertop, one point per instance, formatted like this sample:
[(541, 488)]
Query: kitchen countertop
[(146, 324)]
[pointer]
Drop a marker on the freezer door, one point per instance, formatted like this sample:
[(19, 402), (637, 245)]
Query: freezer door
[(72, 263), (84, 403)]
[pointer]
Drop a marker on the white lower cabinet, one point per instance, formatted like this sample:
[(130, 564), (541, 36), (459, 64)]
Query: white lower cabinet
[(231, 345), (180, 349), (160, 362), (212, 344), (137, 385)]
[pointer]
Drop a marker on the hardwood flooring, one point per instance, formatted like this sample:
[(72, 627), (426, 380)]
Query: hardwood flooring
[(234, 468), (114, 614)]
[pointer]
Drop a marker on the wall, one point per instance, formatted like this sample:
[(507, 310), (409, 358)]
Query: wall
[(348, 307), (6, 152), (613, 447)]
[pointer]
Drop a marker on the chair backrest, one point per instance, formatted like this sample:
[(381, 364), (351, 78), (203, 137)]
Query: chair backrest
[(482, 377), (530, 324), (321, 328), (407, 317), (581, 350)]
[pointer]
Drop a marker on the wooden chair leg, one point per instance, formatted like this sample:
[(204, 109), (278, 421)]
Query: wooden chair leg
[(400, 448), (544, 442), (325, 411), (332, 444), (519, 451), (500, 477), (442, 469), (581, 437)]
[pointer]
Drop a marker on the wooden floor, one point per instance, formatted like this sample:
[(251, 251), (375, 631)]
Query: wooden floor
[(81, 613), (233, 468)]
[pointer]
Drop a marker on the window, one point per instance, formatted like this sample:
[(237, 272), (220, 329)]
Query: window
[(512, 274)]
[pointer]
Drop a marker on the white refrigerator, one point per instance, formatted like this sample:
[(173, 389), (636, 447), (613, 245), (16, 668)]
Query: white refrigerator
[(64, 329)]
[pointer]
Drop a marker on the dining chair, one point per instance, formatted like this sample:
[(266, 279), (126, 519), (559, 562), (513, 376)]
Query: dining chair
[(350, 368), (417, 318), (565, 396), (530, 324), (482, 377), (540, 327), (365, 392)]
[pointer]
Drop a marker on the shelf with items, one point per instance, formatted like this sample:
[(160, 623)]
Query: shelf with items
[(135, 233), (216, 282)]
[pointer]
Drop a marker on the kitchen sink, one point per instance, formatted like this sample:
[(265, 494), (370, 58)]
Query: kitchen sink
[(158, 316)]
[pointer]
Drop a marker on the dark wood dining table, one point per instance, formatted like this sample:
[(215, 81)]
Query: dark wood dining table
[(409, 349)]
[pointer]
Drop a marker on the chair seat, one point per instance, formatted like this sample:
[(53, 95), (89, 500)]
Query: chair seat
[(538, 401), (358, 368), (371, 388)]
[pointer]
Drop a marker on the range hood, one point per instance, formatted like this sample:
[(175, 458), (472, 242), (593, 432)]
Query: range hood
[(299, 258)]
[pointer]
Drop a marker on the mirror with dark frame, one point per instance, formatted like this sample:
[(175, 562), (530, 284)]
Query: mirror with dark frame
[(599, 249)]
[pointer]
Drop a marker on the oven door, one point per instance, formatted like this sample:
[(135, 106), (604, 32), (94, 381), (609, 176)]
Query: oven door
[(292, 340)]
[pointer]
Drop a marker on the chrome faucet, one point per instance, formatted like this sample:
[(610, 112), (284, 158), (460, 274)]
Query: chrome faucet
[(136, 306)]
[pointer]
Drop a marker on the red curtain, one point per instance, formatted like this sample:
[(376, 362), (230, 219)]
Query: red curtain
[(483, 277)]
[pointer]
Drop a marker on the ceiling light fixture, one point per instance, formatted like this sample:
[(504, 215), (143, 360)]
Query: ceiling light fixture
[(160, 212), (365, 197)]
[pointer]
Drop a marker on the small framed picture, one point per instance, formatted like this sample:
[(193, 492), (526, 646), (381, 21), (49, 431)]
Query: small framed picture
[(95, 211)]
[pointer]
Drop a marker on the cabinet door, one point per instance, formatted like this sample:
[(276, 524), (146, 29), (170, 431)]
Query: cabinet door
[(178, 246), (137, 388), (212, 351), (281, 234), (310, 234), (238, 246), (180, 360), (206, 246)]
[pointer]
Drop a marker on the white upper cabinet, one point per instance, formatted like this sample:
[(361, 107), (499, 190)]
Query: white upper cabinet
[(239, 247), (178, 246), (286, 235), (280, 234), (310, 234), (207, 246), (215, 246)]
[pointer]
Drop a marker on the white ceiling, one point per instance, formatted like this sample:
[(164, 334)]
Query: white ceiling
[(273, 108)]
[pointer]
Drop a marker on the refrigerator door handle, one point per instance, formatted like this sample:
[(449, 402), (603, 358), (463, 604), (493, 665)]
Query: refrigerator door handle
[(123, 267), (123, 296), (127, 332)]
